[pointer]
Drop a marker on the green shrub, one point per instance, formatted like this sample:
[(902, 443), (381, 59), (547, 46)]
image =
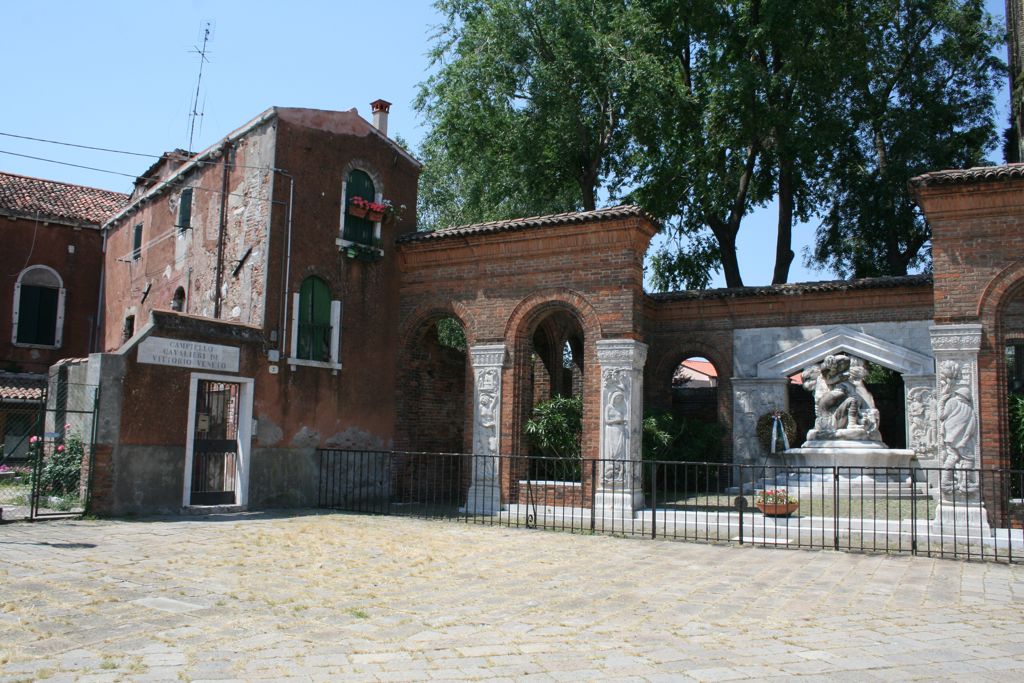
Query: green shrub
[(668, 438), (1016, 402), (61, 471), (555, 430)]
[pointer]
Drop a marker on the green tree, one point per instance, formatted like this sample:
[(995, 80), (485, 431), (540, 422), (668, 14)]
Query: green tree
[(750, 103), (919, 82), (526, 109), (702, 111)]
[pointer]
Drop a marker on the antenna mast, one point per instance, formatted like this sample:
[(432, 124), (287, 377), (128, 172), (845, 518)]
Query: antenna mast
[(195, 113)]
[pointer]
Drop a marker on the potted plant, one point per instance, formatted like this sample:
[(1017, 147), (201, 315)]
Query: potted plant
[(358, 207), (375, 210), (776, 503)]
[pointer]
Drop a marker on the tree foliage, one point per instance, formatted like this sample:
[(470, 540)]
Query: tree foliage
[(526, 109), (918, 83), (556, 427), (702, 111)]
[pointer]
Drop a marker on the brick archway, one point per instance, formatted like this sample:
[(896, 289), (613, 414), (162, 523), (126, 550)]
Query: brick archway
[(658, 382), (527, 316), (1001, 325), (434, 384)]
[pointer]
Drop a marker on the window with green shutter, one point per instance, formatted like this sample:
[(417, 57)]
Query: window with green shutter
[(137, 243), (314, 338), (185, 210), (358, 184), (37, 320), (38, 307)]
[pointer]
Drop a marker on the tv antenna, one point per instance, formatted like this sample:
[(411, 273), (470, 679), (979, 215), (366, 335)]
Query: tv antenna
[(196, 111)]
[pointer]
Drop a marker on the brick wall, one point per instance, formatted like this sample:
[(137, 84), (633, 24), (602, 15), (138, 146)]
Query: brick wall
[(76, 255), (977, 221)]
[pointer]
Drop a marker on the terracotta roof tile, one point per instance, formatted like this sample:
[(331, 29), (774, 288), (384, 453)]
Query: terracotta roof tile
[(961, 176), (21, 387), (572, 217), (51, 200), (798, 288)]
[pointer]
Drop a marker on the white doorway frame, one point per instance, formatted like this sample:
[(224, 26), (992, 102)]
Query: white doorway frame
[(244, 434)]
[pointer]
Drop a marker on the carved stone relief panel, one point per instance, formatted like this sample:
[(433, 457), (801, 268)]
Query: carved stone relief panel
[(622, 362), (956, 409)]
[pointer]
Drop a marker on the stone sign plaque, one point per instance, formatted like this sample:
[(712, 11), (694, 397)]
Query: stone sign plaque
[(188, 354)]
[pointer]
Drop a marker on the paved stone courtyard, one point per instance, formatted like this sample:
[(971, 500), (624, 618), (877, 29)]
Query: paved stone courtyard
[(340, 597)]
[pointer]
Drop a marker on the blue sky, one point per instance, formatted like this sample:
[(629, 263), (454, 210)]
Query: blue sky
[(122, 75)]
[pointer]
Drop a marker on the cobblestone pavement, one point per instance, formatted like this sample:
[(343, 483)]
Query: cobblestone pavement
[(351, 598)]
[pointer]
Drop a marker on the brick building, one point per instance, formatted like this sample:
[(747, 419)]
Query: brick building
[(252, 312), (52, 265), (248, 263)]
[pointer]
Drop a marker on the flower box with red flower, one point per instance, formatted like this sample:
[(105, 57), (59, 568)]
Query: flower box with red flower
[(358, 207), (375, 211)]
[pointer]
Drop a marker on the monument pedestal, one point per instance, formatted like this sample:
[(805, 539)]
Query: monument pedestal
[(961, 519), (859, 462), (483, 498), (618, 503)]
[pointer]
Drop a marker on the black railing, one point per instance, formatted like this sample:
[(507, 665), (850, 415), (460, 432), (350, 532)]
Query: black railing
[(866, 509)]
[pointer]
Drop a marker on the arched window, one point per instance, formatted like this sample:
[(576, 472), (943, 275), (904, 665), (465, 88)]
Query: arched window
[(358, 229), (316, 325), (38, 308)]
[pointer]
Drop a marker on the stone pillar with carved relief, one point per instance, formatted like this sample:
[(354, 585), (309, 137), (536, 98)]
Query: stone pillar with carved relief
[(484, 497), (620, 486), (961, 508), (922, 424)]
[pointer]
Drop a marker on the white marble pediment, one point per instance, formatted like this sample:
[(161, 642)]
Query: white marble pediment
[(844, 339)]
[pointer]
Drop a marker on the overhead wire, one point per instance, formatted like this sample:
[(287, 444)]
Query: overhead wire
[(161, 183), (101, 149), (156, 240)]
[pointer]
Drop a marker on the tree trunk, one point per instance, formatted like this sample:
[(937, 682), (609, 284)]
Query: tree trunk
[(784, 244), (725, 235)]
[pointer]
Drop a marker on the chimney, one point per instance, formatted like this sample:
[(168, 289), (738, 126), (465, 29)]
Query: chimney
[(380, 110)]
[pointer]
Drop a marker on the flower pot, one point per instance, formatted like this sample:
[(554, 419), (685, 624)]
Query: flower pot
[(777, 509), (375, 216), (357, 211)]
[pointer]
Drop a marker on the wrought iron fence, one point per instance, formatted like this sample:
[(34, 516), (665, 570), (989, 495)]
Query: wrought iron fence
[(22, 402), (971, 515), (47, 442)]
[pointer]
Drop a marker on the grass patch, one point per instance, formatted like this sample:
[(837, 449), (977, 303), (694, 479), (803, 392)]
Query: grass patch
[(359, 614), (815, 506)]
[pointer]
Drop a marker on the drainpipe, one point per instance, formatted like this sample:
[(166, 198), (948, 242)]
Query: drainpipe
[(286, 267), (94, 341), (221, 231)]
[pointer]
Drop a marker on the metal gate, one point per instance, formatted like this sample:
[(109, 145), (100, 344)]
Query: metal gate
[(215, 444), (47, 440)]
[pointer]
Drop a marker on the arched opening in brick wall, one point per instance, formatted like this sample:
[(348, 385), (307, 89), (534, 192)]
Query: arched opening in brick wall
[(432, 389), (432, 404), (556, 372), (552, 356), (1011, 325), (695, 406)]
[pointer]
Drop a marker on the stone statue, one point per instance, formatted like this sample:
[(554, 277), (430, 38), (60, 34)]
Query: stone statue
[(487, 424), (956, 417), (843, 407), (616, 429)]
